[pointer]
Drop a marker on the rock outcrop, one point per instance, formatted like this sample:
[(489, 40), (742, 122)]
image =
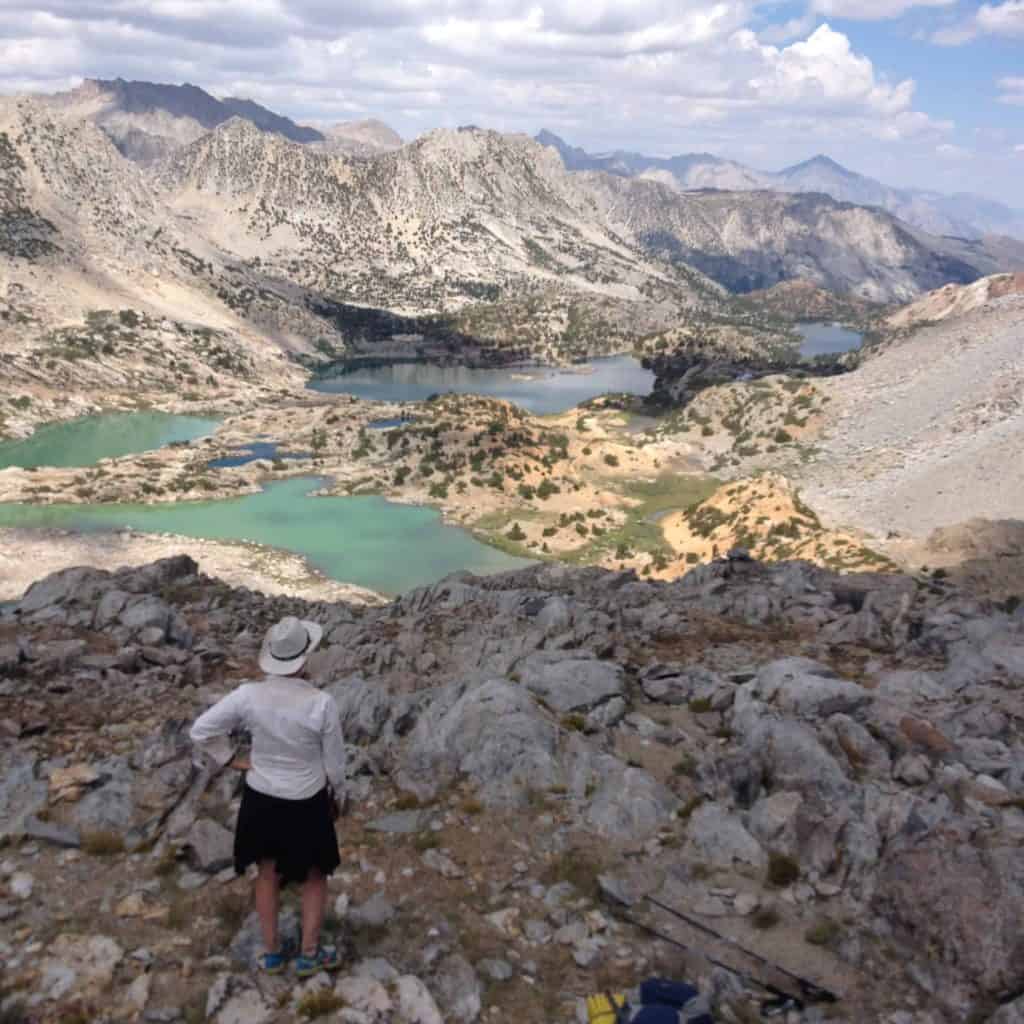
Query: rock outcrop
[(829, 768)]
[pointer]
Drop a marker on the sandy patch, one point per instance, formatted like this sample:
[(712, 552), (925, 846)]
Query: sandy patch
[(29, 555)]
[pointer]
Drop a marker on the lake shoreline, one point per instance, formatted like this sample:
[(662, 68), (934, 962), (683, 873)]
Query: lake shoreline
[(30, 553)]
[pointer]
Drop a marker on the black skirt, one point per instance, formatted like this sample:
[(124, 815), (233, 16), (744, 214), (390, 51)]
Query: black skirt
[(295, 834)]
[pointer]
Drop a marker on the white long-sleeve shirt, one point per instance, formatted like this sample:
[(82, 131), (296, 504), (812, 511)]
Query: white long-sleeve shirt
[(296, 736)]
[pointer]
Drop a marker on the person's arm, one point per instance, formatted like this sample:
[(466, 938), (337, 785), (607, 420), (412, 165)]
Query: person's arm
[(333, 746), (211, 729)]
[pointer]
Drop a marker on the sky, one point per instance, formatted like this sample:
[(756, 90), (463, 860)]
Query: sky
[(925, 93)]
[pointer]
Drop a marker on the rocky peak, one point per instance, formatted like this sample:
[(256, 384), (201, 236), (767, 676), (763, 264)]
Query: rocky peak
[(238, 158), (362, 138), (148, 121), (818, 164)]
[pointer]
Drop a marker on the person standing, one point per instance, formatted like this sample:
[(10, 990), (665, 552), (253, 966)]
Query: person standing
[(293, 777)]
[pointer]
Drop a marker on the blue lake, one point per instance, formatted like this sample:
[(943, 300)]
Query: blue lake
[(369, 541), (538, 389), (84, 441), (251, 452), (821, 339)]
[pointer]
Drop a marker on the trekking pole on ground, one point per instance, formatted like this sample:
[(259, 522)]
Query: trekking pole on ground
[(814, 993), (781, 1002)]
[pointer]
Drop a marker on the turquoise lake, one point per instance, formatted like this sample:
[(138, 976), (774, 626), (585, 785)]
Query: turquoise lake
[(369, 541), (84, 441), (827, 339), (538, 389)]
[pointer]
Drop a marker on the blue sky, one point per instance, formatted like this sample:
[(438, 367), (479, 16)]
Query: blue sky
[(927, 93)]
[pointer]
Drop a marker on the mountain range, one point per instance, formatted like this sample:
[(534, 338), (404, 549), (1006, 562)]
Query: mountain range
[(148, 121), (268, 237), (962, 214)]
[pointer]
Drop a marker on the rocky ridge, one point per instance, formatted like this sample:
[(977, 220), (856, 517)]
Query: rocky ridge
[(810, 763), (361, 138), (148, 121), (965, 215), (754, 240)]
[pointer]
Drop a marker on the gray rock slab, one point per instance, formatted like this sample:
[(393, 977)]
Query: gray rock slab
[(400, 822), (802, 687), (720, 839), (374, 913), (567, 683), (458, 991), (210, 846), (49, 832)]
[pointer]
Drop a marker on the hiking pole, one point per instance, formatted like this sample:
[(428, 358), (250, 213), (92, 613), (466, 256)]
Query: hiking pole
[(781, 1002), (814, 993)]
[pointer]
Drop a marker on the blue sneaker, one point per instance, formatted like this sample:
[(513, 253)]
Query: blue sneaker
[(322, 960), (275, 963)]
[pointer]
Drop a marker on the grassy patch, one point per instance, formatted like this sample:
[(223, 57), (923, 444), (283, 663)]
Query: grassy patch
[(102, 843), (319, 1004), (823, 932), (232, 909), (577, 867), (640, 532), (427, 841)]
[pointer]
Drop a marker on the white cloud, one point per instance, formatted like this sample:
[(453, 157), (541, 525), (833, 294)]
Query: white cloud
[(1019, 148), (665, 75), (1000, 19), (823, 72), (872, 10), (1011, 91), (949, 151)]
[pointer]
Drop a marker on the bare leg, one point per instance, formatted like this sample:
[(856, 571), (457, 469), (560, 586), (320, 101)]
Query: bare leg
[(314, 899), (268, 901)]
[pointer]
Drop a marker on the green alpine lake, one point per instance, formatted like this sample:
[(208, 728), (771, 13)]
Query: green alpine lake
[(84, 441), (368, 541)]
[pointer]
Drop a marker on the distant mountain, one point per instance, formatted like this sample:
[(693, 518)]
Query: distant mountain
[(299, 247), (963, 215), (148, 121), (688, 170), (748, 241), (361, 138)]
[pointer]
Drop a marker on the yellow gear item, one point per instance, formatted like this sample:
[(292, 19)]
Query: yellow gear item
[(601, 1010)]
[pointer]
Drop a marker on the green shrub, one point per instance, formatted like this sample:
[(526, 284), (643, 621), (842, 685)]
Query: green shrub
[(782, 870), (765, 918), (823, 932)]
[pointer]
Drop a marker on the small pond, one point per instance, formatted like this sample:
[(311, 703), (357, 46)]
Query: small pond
[(84, 441), (368, 541), (247, 453), (538, 389), (388, 423), (825, 339)]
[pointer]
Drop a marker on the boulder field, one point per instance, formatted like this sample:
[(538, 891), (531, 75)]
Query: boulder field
[(827, 769)]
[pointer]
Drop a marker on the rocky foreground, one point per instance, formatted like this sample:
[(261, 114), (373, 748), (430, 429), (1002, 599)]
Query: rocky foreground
[(829, 769)]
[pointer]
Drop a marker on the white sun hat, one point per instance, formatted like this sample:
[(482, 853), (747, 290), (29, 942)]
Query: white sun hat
[(288, 644)]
